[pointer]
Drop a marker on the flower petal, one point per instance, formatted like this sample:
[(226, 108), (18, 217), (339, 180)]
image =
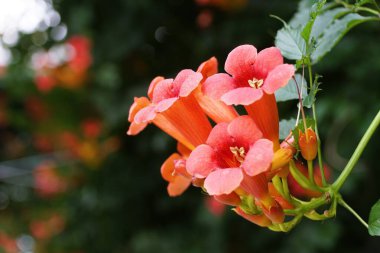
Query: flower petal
[(138, 104), (231, 199), (217, 85), (167, 168), (135, 128), (153, 84), (242, 96), (244, 131), (259, 157), (163, 90), (267, 60), (178, 186), (240, 60), (201, 161), (165, 104), (185, 82), (219, 138), (259, 219), (257, 186), (223, 181), (209, 67), (278, 77), (145, 115)]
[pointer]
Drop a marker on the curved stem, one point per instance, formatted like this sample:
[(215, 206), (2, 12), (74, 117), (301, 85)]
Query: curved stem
[(357, 153), (285, 188), (320, 163), (358, 8), (369, 10), (345, 205)]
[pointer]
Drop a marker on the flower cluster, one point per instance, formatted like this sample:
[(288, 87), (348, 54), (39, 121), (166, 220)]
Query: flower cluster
[(237, 159)]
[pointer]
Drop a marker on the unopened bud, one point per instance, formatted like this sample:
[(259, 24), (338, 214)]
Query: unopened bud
[(308, 144)]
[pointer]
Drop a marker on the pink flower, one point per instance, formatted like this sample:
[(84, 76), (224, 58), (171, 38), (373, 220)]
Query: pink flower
[(235, 157), (253, 79), (232, 150), (252, 74), (173, 108)]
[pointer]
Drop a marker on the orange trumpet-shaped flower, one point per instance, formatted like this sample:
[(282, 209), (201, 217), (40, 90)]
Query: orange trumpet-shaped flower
[(173, 108)]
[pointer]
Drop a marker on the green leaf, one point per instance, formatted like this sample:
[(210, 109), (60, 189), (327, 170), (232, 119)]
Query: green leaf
[(309, 100), (291, 43), (315, 11), (286, 126), (324, 20), (374, 220), (302, 15), (334, 33), (290, 92)]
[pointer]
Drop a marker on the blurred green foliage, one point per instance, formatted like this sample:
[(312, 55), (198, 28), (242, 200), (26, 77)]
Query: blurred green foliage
[(123, 205)]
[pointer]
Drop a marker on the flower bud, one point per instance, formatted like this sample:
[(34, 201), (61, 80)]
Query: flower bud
[(308, 144)]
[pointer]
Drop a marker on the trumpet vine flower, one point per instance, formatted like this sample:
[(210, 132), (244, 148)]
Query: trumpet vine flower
[(234, 157), (251, 81), (173, 108)]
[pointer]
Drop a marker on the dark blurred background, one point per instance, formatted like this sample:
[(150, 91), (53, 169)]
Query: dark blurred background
[(72, 181)]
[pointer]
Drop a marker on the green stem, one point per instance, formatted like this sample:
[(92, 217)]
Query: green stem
[(285, 188), (311, 171), (345, 205), (357, 153), (278, 184), (320, 163), (369, 10), (358, 8), (307, 207)]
